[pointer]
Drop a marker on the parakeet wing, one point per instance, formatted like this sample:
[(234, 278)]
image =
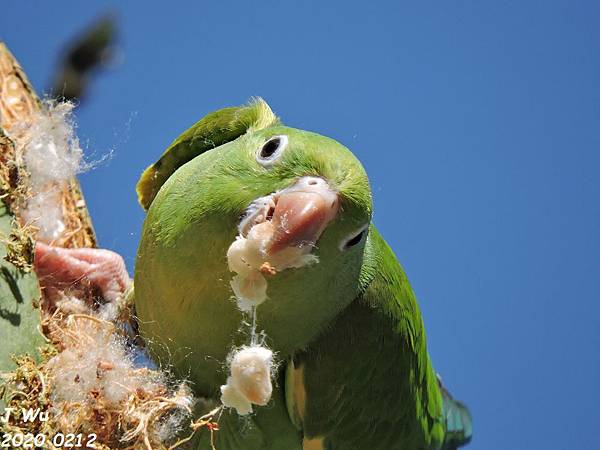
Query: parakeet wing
[(368, 381)]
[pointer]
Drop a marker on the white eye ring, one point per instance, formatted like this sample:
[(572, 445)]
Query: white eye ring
[(354, 238), (271, 150)]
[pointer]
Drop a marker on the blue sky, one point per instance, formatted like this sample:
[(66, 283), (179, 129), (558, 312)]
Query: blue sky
[(478, 123)]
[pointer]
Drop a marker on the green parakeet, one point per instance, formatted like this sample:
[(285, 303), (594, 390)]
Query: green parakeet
[(353, 372)]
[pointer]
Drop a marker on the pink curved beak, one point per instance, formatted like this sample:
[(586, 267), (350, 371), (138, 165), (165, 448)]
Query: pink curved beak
[(302, 213)]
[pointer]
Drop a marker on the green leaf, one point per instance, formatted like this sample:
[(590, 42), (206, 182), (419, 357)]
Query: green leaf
[(20, 318)]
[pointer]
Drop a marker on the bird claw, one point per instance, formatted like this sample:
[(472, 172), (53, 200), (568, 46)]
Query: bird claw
[(83, 272)]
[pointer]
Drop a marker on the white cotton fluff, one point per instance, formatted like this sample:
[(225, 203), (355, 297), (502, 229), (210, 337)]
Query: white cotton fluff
[(53, 152), (52, 156), (100, 363), (97, 371), (249, 382), (245, 257), (250, 379), (231, 398), (249, 259)]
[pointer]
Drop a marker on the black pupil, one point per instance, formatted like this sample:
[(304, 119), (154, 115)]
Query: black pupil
[(355, 240), (270, 147)]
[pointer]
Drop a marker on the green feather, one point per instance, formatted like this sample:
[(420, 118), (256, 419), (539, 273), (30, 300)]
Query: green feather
[(459, 426), (211, 131), (368, 380)]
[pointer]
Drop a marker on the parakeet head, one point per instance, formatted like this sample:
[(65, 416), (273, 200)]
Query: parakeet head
[(307, 193)]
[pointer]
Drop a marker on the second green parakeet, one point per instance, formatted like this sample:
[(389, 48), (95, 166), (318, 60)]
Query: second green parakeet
[(337, 309)]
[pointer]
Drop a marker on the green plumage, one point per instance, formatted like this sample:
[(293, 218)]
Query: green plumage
[(369, 382), (355, 372), (213, 130)]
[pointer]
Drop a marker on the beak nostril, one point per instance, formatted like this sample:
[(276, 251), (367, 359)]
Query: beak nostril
[(312, 182), (270, 213)]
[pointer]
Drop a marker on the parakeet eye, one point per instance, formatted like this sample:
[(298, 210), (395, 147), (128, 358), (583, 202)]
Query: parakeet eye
[(354, 239), (271, 150)]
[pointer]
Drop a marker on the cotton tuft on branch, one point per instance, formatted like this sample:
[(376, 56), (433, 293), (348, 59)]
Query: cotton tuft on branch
[(52, 156)]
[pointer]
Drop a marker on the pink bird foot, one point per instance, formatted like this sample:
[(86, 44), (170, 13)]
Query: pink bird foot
[(80, 272)]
